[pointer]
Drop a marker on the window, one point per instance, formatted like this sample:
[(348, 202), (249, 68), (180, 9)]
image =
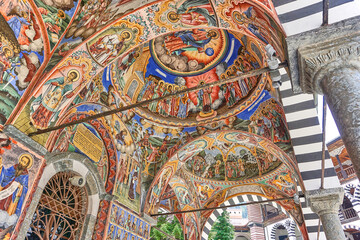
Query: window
[(61, 211)]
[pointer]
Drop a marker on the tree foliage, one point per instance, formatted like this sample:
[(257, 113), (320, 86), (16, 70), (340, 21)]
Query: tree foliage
[(222, 229), (173, 228)]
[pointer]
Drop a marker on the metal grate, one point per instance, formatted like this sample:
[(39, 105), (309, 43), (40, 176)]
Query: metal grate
[(61, 211)]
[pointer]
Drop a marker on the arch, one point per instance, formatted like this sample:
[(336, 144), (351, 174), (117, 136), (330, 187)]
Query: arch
[(235, 200), (81, 165), (347, 190), (350, 226), (289, 225)]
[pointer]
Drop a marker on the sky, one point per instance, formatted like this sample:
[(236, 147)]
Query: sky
[(331, 128)]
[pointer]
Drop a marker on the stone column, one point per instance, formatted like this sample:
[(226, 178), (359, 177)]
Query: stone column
[(326, 203), (332, 68)]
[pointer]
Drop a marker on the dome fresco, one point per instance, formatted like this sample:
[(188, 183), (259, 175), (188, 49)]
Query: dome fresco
[(182, 60)]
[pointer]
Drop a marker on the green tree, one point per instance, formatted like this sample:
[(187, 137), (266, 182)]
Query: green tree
[(222, 229), (173, 228)]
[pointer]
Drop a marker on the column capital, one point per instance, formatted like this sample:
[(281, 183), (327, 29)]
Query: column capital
[(336, 34), (318, 60), (323, 201)]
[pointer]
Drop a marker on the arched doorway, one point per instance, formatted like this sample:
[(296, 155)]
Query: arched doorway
[(61, 211)]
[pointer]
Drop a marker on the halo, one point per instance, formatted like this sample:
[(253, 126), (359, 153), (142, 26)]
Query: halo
[(126, 31), (8, 49), (74, 71), (216, 33), (172, 20), (161, 81), (31, 160)]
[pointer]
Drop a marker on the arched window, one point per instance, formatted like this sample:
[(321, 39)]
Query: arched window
[(347, 213), (61, 211)]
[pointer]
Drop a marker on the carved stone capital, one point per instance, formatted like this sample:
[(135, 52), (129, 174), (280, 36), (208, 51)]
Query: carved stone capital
[(324, 201), (320, 59)]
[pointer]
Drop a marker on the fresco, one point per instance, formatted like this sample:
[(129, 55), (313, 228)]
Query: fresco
[(52, 98), (109, 138), (187, 59), (218, 161), (123, 224), (185, 14), (19, 172), (234, 157), (21, 52), (108, 45), (56, 16), (247, 16)]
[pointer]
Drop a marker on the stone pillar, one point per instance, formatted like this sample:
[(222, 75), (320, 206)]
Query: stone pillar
[(255, 222), (326, 203), (332, 68)]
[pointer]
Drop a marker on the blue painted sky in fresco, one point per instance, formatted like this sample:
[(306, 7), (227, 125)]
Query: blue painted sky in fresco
[(154, 69)]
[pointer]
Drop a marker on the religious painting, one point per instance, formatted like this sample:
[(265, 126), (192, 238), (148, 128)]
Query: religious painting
[(269, 121), (123, 224), (19, 174), (158, 187), (182, 191), (128, 179), (108, 136), (190, 52), (191, 227), (284, 182), (186, 14), (121, 66), (77, 138), (156, 144), (205, 190), (208, 164), (116, 40), (176, 61), (56, 17), (56, 92), (254, 21), (52, 97), (21, 52)]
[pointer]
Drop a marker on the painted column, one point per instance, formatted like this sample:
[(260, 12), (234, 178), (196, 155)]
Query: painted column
[(255, 222), (326, 203), (332, 68)]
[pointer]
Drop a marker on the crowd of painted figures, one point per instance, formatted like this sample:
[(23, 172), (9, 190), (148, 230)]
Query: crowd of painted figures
[(268, 121), (180, 106), (125, 225)]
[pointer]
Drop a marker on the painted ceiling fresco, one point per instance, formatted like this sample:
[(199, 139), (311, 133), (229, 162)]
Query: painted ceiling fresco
[(62, 61)]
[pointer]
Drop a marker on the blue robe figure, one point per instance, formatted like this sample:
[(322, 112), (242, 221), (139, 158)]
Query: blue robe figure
[(183, 107), (188, 38), (16, 199), (252, 28), (15, 24)]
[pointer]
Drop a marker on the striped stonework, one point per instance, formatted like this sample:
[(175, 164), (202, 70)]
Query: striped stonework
[(237, 200), (299, 16), (289, 225), (255, 222), (306, 136)]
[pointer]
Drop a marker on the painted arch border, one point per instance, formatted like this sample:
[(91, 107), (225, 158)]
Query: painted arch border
[(62, 162)]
